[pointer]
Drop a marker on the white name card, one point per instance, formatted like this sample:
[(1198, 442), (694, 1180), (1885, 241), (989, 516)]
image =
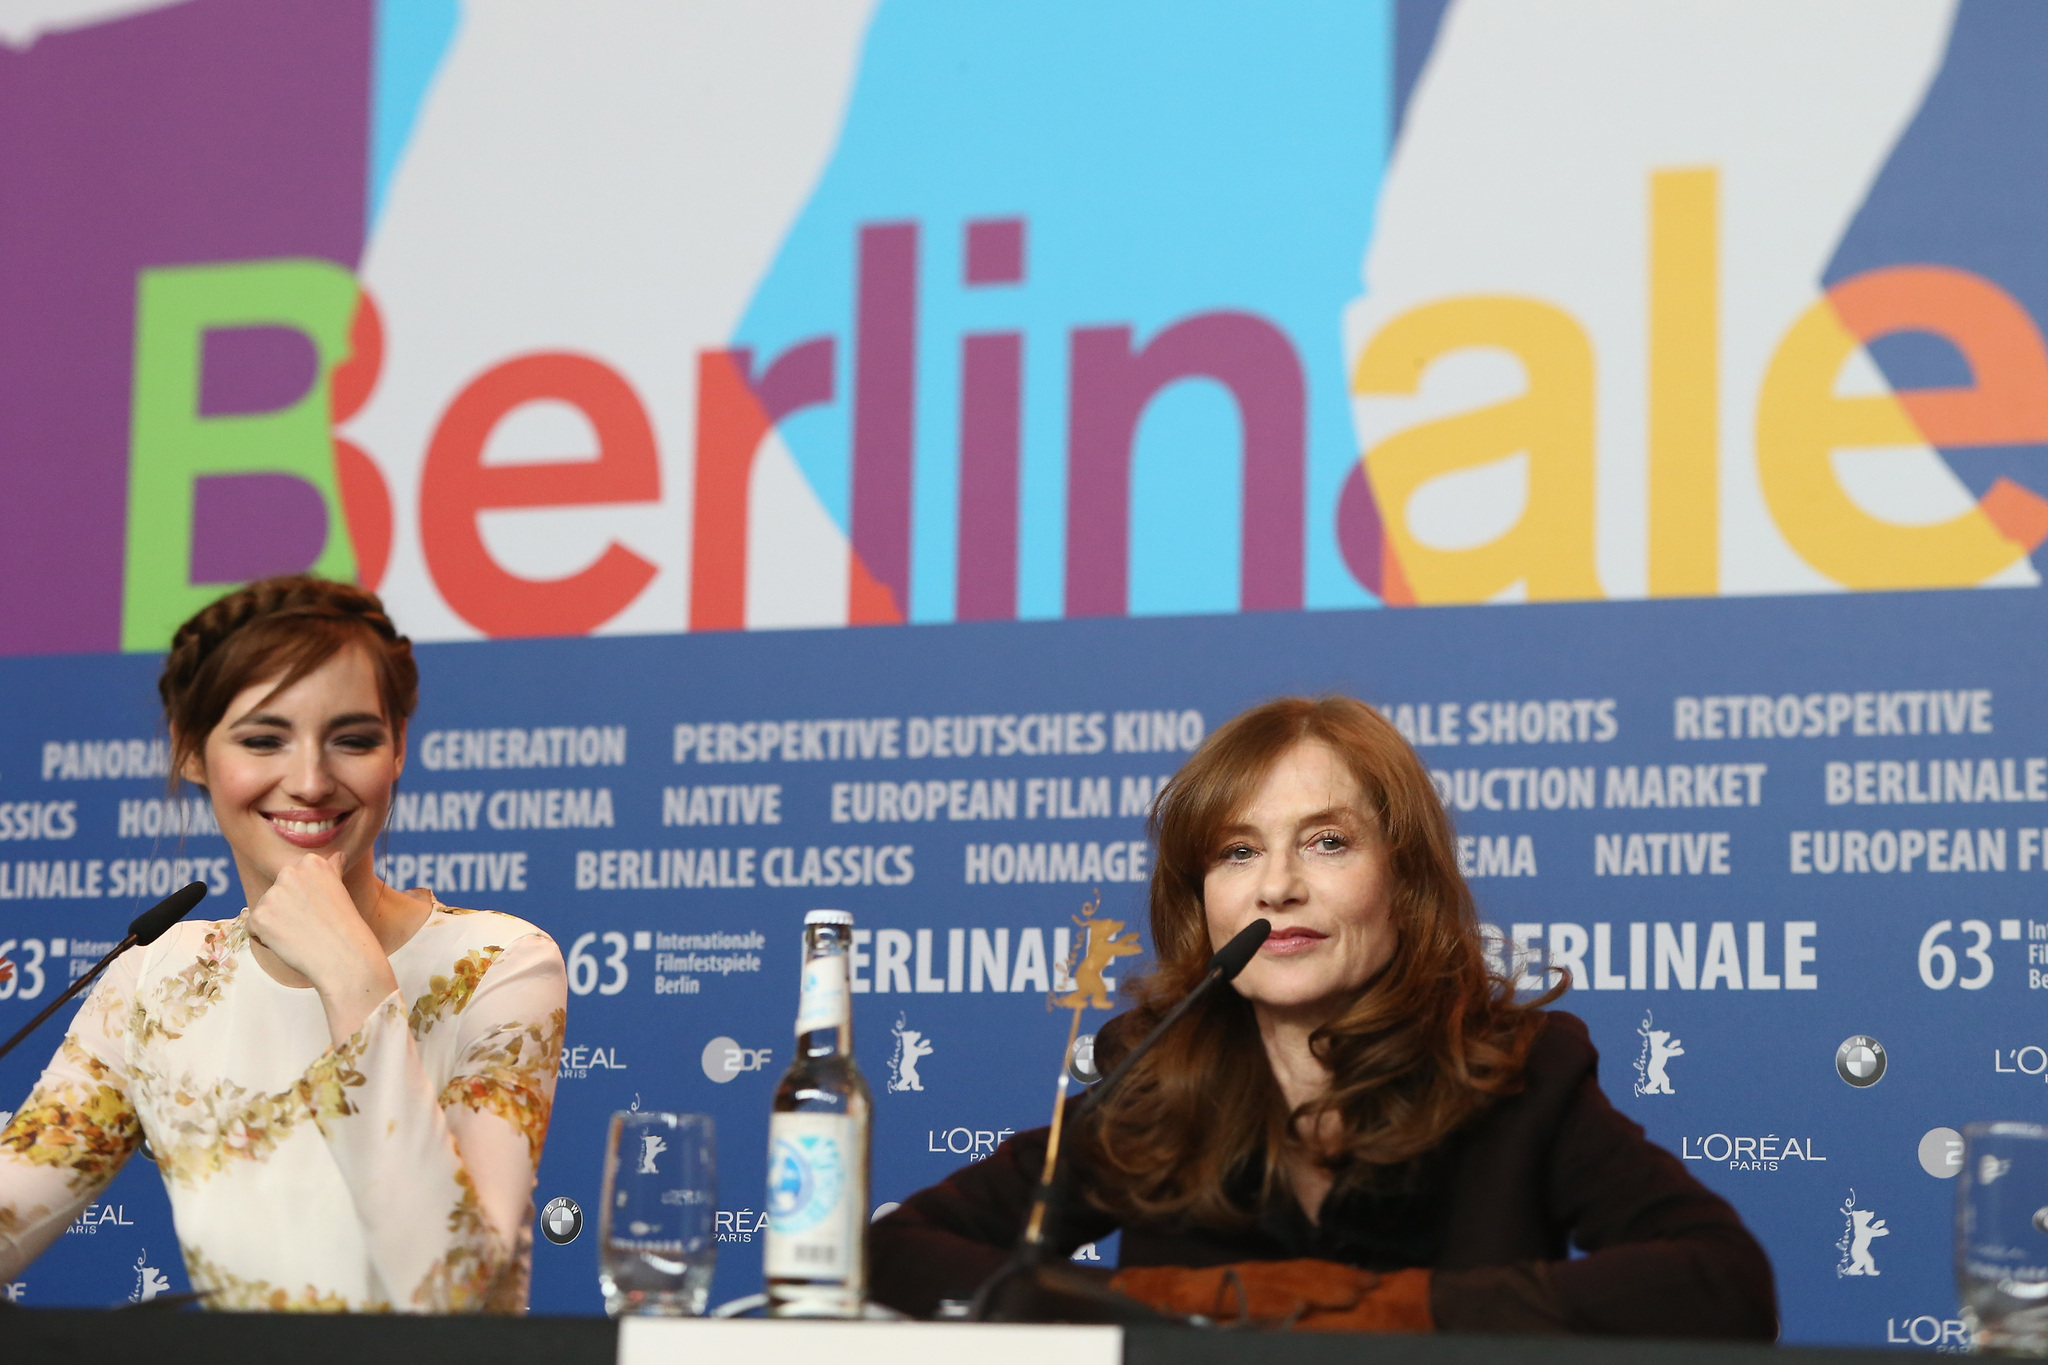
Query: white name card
[(696, 1341)]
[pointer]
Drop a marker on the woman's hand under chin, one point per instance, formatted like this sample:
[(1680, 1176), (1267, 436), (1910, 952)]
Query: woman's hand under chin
[(310, 923)]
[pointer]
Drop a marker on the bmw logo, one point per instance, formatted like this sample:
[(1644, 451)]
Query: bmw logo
[(1081, 1063), (1860, 1061), (561, 1220)]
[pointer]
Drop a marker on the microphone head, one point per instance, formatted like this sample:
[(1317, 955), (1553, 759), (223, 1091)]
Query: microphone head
[(1234, 956), (149, 926)]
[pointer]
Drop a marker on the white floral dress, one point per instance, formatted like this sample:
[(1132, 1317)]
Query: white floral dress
[(392, 1172)]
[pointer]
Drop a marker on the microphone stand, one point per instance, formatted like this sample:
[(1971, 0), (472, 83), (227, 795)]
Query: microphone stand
[(147, 927), (1031, 1288)]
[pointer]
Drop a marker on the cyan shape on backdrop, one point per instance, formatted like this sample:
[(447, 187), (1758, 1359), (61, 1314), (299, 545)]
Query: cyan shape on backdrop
[(412, 38), (1170, 159)]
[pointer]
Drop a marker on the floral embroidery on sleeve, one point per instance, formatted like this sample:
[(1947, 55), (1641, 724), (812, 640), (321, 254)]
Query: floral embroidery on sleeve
[(204, 1129), (451, 994), (506, 1072), (207, 1132), (441, 1197), (467, 1276), (325, 1086), (185, 995), (89, 1132), (221, 1288)]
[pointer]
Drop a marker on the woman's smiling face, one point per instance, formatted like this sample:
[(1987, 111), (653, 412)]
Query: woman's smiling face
[(1304, 855), (311, 769)]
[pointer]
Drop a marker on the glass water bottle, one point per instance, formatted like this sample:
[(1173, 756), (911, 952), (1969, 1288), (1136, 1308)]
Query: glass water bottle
[(816, 1254)]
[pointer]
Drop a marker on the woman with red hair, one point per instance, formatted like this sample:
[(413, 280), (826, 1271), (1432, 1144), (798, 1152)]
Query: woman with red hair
[(1369, 1130)]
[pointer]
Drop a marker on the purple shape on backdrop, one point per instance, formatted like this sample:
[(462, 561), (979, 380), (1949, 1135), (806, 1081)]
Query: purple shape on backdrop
[(216, 130), (995, 251), (800, 377), (991, 404), (248, 526), (254, 369), (1111, 386), (885, 404), (1361, 537)]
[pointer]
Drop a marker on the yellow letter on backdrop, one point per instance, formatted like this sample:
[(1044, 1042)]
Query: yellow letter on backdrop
[(1685, 383), (1550, 549)]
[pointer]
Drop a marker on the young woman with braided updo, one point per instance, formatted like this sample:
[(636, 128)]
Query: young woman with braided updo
[(345, 1087)]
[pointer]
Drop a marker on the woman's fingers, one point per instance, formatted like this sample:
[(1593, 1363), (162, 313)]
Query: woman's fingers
[(309, 920)]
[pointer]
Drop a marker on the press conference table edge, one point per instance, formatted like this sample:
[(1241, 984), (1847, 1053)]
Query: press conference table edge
[(51, 1336)]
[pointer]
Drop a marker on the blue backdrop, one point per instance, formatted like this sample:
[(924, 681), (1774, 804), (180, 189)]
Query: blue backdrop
[(1757, 830)]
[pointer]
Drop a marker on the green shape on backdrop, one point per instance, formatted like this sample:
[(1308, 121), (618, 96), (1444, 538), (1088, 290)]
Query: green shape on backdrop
[(171, 447)]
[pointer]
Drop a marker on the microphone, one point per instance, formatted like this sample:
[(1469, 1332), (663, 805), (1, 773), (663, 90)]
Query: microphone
[(1224, 965), (146, 927), (1234, 956), (1026, 1290)]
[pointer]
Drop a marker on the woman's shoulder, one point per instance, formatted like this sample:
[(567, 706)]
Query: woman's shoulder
[(458, 930), (1116, 1037), (1561, 1052), (182, 972), (1559, 1064), (490, 923), (188, 939), (459, 952), (200, 930), (1560, 1061)]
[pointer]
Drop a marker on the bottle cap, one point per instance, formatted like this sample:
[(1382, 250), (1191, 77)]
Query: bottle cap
[(827, 917)]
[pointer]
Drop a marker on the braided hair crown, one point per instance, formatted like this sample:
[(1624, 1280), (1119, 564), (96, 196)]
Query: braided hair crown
[(283, 629)]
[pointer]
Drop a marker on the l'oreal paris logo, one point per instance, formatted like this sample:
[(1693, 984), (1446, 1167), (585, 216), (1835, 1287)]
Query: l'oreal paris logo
[(1747, 1153), (2031, 1060), (1950, 1336), (94, 1215), (578, 1062), (740, 1225), (972, 1143)]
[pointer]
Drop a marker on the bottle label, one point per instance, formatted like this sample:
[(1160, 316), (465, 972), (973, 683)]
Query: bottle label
[(813, 1178), (824, 1001)]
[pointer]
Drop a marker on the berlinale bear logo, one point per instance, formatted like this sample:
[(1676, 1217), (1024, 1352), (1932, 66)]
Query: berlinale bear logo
[(1862, 1227), (651, 1147), (1104, 947), (911, 1048), (1659, 1047), (149, 1281)]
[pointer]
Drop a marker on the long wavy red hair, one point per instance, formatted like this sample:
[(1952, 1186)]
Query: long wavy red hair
[(1424, 1046)]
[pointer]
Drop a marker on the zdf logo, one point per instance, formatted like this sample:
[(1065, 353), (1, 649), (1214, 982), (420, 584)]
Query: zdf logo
[(725, 1059)]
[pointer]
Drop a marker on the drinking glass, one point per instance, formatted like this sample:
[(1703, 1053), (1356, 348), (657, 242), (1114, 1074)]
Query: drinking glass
[(655, 1244), (2002, 1237)]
